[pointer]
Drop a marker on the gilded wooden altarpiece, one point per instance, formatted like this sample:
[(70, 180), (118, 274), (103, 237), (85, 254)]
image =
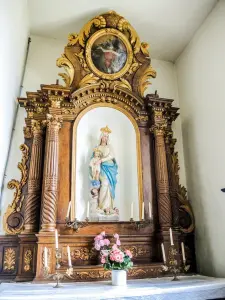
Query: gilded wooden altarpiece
[(42, 194)]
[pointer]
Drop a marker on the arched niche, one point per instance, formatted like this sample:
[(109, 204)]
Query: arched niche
[(125, 139)]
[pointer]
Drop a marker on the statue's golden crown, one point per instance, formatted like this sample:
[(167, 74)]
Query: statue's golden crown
[(106, 130)]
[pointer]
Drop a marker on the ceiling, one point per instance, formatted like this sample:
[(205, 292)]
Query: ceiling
[(167, 25)]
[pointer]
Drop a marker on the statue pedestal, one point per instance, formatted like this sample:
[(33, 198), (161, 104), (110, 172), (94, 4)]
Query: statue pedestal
[(104, 218)]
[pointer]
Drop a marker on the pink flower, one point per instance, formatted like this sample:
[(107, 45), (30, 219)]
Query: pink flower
[(114, 247), (98, 237), (106, 242), (112, 257), (118, 242), (103, 260), (101, 243), (102, 233), (128, 253), (116, 236)]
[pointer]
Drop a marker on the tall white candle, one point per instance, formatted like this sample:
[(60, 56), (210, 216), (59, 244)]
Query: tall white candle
[(132, 210), (69, 256), (88, 209), (56, 239), (171, 237), (183, 253), (143, 210), (68, 210), (45, 257), (149, 210), (163, 253)]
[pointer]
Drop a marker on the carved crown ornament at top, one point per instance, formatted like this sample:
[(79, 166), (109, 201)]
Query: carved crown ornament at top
[(78, 62)]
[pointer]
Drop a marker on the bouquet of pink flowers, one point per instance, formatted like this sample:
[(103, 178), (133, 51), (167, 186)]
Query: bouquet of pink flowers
[(112, 258)]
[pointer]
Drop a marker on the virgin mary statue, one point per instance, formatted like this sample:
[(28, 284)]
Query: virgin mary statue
[(103, 172)]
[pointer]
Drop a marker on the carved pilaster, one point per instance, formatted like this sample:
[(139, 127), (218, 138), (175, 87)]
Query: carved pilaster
[(162, 182), (50, 180), (33, 201)]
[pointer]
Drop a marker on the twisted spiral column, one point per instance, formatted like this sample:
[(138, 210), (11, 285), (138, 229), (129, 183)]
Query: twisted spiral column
[(33, 200), (50, 180), (162, 182)]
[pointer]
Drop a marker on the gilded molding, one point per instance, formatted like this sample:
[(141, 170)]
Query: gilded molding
[(18, 198), (9, 260)]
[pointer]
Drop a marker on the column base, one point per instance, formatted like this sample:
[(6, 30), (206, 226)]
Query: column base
[(48, 227)]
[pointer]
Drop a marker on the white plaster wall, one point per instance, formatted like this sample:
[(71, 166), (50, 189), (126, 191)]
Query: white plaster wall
[(200, 72), (13, 39), (123, 141), (41, 69)]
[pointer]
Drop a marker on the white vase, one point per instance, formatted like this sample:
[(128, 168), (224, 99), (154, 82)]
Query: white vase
[(119, 277)]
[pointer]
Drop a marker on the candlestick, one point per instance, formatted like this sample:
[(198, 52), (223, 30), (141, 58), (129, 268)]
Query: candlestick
[(68, 210), (143, 209), (183, 253), (163, 253), (45, 257), (56, 239), (150, 210), (69, 256), (88, 209), (132, 210), (171, 237)]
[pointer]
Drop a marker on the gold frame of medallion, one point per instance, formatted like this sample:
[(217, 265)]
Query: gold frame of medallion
[(74, 147), (123, 38)]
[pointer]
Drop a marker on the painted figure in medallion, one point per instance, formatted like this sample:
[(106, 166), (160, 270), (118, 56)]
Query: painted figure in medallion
[(103, 172), (109, 54)]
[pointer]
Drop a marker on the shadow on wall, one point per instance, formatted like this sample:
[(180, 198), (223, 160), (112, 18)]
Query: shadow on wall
[(195, 186)]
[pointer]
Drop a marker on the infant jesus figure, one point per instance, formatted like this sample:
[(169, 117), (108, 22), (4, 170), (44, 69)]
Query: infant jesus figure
[(95, 165)]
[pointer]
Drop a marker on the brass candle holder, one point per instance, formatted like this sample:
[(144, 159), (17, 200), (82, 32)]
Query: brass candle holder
[(57, 276), (140, 224), (171, 265), (75, 224)]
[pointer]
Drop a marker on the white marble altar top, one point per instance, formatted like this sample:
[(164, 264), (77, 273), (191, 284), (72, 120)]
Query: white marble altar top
[(189, 287)]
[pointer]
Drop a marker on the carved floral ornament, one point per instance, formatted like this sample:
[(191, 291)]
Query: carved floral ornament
[(107, 48), (9, 262)]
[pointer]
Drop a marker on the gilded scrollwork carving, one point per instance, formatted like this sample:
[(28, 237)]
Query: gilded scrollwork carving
[(28, 255), (144, 80), (9, 261), (63, 61), (13, 219), (98, 22), (136, 71), (186, 227)]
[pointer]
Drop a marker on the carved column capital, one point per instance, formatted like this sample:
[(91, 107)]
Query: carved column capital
[(37, 127), (159, 122), (54, 121), (27, 131)]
